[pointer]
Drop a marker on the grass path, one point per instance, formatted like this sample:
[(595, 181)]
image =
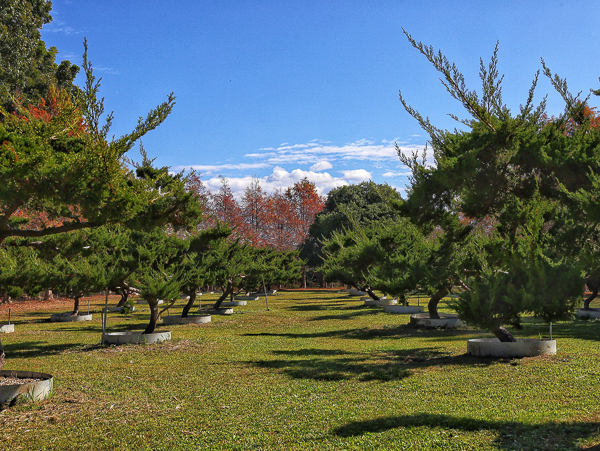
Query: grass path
[(317, 371)]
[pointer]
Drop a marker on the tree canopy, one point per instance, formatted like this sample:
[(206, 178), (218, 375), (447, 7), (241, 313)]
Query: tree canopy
[(511, 174)]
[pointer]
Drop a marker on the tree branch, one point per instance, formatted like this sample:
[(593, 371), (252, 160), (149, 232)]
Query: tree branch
[(45, 232)]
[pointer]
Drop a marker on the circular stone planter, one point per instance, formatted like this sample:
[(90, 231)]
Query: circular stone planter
[(7, 329), (246, 298), (66, 317), (588, 314), (526, 347), (222, 311), (142, 301), (116, 309), (446, 321), (190, 319), (30, 391), (233, 303), (383, 301), (119, 338), (403, 309)]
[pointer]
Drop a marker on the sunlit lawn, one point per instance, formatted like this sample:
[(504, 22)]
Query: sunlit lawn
[(317, 371)]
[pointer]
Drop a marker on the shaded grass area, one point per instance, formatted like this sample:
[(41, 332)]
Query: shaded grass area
[(317, 371)]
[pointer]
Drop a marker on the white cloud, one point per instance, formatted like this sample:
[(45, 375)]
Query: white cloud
[(315, 151), (321, 166), (107, 70), (60, 27), (212, 168), (397, 174), (282, 179), (357, 175)]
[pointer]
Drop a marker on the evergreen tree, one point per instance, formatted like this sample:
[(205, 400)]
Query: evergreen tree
[(61, 172), (499, 171)]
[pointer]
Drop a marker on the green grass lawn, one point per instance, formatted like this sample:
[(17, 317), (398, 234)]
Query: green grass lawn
[(318, 371)]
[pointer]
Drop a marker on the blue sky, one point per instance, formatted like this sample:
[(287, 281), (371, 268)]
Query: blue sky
[(282, 90)]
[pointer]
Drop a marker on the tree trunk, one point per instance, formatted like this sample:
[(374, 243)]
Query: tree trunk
[(124, 297), (47, 294), (1, 356), (372, 294), (153, 318), (586, 303), (503, 335), (434, 301), (226, 293), (76, 306), (304, 277), (190, 304)]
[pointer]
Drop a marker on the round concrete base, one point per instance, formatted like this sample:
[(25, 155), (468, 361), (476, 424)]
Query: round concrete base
[(527, 347), (446, 321), (383, 301), (222, 311), (66, 317), (116, 309), (7, 329), (30, 391), (588, 314), (119, 338), (246, 298), (233, 303), (190, 319), (219, 311), (403, 309), (143, 301)]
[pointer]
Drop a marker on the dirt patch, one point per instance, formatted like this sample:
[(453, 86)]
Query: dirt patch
[(16, 380), (21, 307)]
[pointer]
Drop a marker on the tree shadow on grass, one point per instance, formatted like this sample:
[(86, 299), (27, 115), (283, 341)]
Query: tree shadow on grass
[(370, 333), (582, 329), (314, 307), (28, 349), (510, 435), (329, 365), (304, 298), (345, 316)]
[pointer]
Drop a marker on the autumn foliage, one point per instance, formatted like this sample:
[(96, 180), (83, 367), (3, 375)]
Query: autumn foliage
[(279, 220)]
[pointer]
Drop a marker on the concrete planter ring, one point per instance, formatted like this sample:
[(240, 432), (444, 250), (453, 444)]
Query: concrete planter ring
[(116, 309), (7, 329), (246, 298), (526, 347), (446, 321), (233, 303), (382, 301), (403, 309), (66, 317), (119, 338), (35, 390), (588, 314), (222, 311), (190, 319), (143, 301)]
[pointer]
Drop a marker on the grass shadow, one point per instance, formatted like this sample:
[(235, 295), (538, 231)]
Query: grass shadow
[(314, 307), (510, 435), (366, 333), (29, 349), (581, 329), (332, 365), (354, 313)]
